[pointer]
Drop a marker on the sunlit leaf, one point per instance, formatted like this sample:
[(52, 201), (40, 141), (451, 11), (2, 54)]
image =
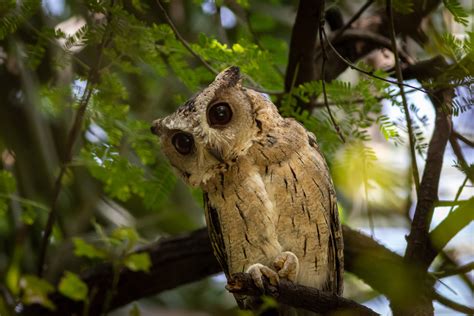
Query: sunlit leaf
[(73, 287), (35, 291), (138, 262), (84, 249)]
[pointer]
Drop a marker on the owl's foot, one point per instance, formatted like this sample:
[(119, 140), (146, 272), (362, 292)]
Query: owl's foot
[(287, 265), (258, 270)]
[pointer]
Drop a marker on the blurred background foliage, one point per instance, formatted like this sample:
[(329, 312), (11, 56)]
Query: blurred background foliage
[(81, 81)]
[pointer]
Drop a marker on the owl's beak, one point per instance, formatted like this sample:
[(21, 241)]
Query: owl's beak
[(216, 154)]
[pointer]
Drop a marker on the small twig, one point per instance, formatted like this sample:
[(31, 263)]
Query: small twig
[(453, 305), (458, 193), (298, 296), (460, 156), (323, 77), (463, 139), (448, 228), (398, 72), (72, 138), (369, 36), (256, 39), (340, 31), (352, 20), (182, 40), (366, 72), (450, 203), (458, 270)]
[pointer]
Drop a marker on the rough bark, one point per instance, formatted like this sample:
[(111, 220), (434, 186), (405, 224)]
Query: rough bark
[(299, 296), (188, 258)]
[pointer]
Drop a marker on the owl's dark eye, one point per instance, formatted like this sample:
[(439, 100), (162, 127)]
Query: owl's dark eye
[(183, 142), (219, 114)]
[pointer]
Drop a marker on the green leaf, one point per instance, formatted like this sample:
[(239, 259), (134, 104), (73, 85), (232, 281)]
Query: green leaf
[(84, 249), (125, 235), (35, 291), (73, 287), (138, 262), (7, 182), (460, 14), (29, 214)]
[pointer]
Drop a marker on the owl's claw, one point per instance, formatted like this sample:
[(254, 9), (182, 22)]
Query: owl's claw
[(258, 270), (287, 265)]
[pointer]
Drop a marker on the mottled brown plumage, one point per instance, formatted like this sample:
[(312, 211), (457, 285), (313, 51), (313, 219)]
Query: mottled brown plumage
[(269, 199)]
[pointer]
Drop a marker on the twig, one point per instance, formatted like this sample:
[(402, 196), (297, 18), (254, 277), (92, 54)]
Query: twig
[(453, 305), (72, 138), (366, 72), (448, 228), (458, 193), (182, 40), (398, 72), (323, 78), (460, 156), (298, 296), (340, 31), (352, 20), (458, 270), (256, 39), (463, 139), (420, 251), (370, 36), (441, 203)]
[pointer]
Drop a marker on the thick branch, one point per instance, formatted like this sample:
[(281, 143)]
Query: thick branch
[(298, 296), (303, 43), (419, 252), (418, 240), (188, 258)]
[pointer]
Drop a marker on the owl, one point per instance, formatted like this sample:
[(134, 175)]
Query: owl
[(270, 204)]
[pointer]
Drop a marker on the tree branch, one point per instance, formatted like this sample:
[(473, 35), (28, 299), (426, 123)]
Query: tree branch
[(419, 252), (71, 141), (180, 38), (464, 139), (189, 258), (398, 72), (301, 67), (449, 227), (453, 140), (298, 296), (355, 49)]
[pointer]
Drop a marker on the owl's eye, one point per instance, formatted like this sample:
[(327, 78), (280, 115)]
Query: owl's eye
[(219, 114), (183, 142)]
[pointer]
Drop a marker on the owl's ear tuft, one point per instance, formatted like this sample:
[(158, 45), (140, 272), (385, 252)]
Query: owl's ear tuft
[(229, 77)]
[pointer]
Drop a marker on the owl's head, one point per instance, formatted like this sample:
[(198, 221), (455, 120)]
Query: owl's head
[(213, 129)]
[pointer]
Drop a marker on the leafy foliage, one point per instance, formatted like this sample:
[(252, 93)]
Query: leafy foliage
[(460, 14), (118, 186), (73, 287)]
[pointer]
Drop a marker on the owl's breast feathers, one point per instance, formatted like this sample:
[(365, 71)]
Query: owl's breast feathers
[(278, 197)]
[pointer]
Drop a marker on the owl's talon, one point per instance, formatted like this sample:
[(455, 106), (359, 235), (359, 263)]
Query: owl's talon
[(287, 265), (258, 270)]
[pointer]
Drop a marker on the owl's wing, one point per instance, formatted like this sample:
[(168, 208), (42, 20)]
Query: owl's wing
[(336, 242), (215, 234)]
